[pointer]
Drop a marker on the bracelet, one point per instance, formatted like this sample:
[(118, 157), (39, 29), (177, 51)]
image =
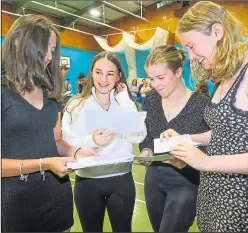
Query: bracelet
[(74, 156), (42, 172), (22, 176)]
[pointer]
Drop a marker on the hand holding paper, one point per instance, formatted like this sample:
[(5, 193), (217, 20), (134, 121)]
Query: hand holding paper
[(85, 152), (168, 133), (101, 136), (164, 146)]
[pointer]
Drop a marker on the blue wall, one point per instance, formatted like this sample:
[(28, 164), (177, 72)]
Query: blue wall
[(140, 62), (122, 57), (81, 61), (2, 39)]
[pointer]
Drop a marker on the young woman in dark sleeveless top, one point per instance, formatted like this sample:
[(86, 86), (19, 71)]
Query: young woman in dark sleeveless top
[(219, 52)]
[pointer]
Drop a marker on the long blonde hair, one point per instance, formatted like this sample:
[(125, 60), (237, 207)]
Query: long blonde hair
[(80, 98), (230, 50)]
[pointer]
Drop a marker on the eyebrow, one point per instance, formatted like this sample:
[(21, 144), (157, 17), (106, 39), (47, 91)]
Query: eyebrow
[(160, 75), (108, 71)]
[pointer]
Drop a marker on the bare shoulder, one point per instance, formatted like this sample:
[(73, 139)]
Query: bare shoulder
[(246, 82), (246, 76)]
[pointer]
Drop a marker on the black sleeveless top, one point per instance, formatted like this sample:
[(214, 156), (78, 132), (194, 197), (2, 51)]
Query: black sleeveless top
[(223, 197)]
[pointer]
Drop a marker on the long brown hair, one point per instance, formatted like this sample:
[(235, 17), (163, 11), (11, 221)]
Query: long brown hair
[(24, 51), (230, 50), (88, 88)]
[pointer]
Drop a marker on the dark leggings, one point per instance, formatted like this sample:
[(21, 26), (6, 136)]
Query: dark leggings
[(92, 196), (170, 200)]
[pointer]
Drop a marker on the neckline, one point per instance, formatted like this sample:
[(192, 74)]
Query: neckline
[(31, 105), (231, 87), (181, 112)]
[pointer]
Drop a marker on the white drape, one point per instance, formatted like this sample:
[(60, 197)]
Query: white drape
[(104, 44), (128, 45), (159, 38)]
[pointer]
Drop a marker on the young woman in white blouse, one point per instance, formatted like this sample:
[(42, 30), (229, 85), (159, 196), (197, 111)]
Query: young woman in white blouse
[(106, 90)]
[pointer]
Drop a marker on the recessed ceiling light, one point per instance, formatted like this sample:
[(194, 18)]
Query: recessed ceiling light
[(94, 12)]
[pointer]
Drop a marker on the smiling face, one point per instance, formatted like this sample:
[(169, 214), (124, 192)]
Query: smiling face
[(201, 47), (51, 49), (163, 80), (105, 75)]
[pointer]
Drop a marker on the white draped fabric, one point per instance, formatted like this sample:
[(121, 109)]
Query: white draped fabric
[(129, 39), (128, 45), (131, 61), (104, 44), (159, 38)]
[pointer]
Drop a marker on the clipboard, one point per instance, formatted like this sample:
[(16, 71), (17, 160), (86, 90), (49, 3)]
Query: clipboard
[(156, 158)]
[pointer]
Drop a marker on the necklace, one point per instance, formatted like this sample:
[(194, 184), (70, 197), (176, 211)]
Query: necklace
[(105, 106)]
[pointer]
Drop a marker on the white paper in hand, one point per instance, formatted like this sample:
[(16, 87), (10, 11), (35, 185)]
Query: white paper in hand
[(128, 122), (101, 160), (164, 146)]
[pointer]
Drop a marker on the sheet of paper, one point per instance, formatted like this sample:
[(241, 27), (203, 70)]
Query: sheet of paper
[(102, 159), (161, 147), (120, 122)]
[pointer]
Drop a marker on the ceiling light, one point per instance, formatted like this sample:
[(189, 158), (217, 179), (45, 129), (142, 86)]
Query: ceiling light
[(94, 12)]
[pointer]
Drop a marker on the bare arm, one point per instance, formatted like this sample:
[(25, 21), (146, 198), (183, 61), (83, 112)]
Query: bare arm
[(11, 167), (203, 138), (246, 83), (237, 163)]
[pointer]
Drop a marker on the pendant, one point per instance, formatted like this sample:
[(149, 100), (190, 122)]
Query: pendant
[(24, 178)]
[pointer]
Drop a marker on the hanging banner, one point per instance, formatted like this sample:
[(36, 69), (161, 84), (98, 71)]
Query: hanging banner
[(104, 44)]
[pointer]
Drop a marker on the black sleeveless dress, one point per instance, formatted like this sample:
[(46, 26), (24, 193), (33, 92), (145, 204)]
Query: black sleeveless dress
[(27, 133), (223, 198)]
